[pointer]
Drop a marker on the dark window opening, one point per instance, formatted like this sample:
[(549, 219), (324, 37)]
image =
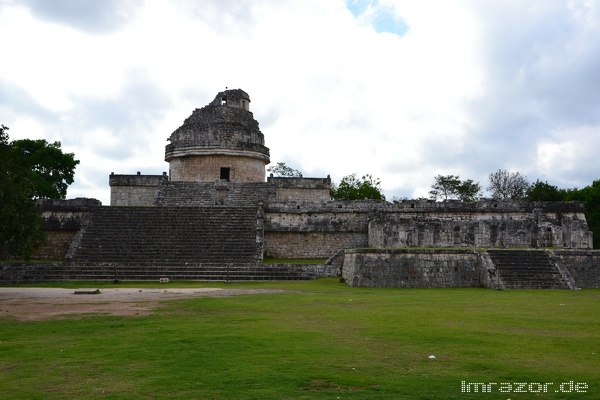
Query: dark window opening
[(223, 101), (225, 173)]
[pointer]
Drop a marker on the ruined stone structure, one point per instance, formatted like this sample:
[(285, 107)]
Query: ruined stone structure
[(214, 216), (221, 141)]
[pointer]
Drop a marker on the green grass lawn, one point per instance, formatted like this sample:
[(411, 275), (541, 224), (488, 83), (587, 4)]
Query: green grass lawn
[(320, 340)]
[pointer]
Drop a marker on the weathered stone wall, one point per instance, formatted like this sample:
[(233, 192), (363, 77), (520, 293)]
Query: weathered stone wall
[(316, 190), (62, 220), (412, 268), (584, 266), (177, 193), (348, 224), (452, 268), (56, 246), (207, 168), (134, 190), (481, 224), (315, 230), (310, 244), (314, 270)]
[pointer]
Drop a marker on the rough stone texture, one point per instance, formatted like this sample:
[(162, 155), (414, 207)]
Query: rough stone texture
[(528, 269), (221, 134), (302, 229), (310, 244), (171, 235), (56, 246), (178, 194), (498, 269), (412, 268), (584, 266), (207, 168), (301, 189), (136, 271), (62, 220), (481, 224), (134, 190)]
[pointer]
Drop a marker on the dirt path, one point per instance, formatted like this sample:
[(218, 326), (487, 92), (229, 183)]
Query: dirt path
[(39, 304)]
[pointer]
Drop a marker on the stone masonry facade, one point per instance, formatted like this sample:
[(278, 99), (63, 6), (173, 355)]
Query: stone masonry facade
[(217, 160)]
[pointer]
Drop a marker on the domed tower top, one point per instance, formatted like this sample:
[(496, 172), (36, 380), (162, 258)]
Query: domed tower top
[(219, 141)]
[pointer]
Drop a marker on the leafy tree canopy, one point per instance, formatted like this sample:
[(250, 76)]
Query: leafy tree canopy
[(451, 187), (543, 191), (353, 188), (282, 170), (51, 170), (20, 219)]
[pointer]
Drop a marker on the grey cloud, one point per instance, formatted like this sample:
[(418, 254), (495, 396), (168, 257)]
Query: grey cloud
[(541, 66), (87, 15), (546, 58), (130, 117), (21, 102)]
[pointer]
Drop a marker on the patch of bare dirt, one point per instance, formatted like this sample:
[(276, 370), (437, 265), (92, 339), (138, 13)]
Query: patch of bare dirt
[(40, 304)]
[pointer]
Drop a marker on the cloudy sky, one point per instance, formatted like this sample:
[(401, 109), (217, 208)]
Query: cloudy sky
[(400, 89)]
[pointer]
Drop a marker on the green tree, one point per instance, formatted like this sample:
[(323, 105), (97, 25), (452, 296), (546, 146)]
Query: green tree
[(590, 196), (352, 188), (51, 170), (451, 187), (20, 219), (543, 191), (281, 169), (469, 190), (506, 185), (444, 187)]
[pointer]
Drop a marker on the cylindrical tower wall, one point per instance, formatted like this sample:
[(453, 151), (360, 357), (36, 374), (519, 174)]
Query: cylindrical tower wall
[(211, 168)]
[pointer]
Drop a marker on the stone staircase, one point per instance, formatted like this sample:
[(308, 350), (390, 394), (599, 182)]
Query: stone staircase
[(527, 269), (182, 193), (199, 242), (108, 272), (168, 235)]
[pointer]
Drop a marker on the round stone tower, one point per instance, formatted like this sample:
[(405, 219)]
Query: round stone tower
[(220, 141)]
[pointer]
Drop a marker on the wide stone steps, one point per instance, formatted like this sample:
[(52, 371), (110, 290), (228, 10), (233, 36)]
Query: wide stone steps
[(56, 272), (527, 269), (169, 235), (177, 193)]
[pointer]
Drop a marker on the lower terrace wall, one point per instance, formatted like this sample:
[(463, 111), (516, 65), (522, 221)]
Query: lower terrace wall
[(310, 244), (584, 266), (412, 268), (309, 229), (450, 268), (62, 219), (315, 230)]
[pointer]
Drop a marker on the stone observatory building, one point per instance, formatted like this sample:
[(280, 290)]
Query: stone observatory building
[(219, 141), (214, 216)]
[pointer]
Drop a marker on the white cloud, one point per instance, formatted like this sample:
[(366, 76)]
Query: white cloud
[(463, 88)]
